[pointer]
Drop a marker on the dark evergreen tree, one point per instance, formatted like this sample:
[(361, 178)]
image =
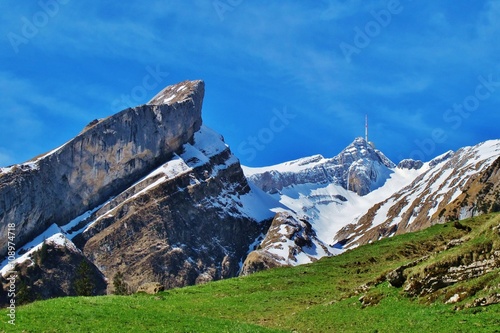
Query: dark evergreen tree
[(84, 285)]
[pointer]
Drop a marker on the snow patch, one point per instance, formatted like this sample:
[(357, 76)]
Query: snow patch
[(53, 235)]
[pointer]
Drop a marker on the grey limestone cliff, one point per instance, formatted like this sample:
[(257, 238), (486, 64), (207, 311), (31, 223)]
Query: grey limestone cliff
[(103, 160)]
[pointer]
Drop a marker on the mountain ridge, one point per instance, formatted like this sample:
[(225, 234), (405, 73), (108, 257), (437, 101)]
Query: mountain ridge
[(344, 219), (345, 169)]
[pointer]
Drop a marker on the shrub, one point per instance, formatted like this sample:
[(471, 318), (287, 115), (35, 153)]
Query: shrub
[(121, 287)]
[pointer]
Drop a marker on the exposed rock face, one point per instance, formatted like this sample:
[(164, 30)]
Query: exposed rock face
[(103, 160), (397, 278), (359, 168), (288, 242), (148, 195), (448, 273), (485, 301), (184, 224), (410, 164)]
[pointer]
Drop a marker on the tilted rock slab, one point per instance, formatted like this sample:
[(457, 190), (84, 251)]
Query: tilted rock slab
[(105, 159)]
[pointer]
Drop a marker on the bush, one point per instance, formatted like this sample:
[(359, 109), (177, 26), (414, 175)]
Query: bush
[(121, 287)]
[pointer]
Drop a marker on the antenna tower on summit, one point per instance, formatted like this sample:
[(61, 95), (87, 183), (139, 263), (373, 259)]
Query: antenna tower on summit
[(366, 128)]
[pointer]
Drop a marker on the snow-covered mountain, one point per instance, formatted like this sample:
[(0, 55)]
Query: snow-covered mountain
[(425, 200), (396, 199)]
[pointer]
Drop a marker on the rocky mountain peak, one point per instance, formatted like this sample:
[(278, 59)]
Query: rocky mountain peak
[(359, 167), (361, 149), (367, 168), (103, 160), (179, 92)]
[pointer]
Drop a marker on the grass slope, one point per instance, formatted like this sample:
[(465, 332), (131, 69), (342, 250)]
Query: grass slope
[(320, 297)]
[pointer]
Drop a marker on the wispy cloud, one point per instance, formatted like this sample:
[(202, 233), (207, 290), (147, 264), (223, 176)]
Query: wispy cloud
[(261, 55)]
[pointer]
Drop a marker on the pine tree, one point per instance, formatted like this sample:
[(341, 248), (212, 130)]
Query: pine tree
[(84, 286)]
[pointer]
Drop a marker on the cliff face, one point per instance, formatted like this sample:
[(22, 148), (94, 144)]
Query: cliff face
[(103, 160), (185, 223)]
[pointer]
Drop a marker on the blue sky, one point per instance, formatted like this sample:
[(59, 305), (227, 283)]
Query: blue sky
[(284, 79)]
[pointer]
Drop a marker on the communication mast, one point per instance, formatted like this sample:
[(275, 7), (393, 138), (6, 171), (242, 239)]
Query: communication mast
[(366, 133), (366, 128)]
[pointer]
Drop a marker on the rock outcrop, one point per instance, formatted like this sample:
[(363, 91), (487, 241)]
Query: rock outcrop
[(150, 288), (106, 158), (288, 242), (460, 268)]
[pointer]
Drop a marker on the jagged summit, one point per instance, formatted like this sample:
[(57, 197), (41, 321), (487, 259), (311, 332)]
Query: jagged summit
[(360, 148), (359, 167), (179, 92)]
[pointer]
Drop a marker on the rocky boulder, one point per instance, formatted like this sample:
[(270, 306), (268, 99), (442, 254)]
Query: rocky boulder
[(150, 288)]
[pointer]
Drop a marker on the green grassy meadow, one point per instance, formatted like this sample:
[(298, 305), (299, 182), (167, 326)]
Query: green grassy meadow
[(319, 297)]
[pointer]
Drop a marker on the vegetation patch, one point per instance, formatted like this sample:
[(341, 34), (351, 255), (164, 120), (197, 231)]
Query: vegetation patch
[(346, 293)]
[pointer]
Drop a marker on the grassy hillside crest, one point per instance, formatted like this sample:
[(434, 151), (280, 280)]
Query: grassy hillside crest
[(346, 293)]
